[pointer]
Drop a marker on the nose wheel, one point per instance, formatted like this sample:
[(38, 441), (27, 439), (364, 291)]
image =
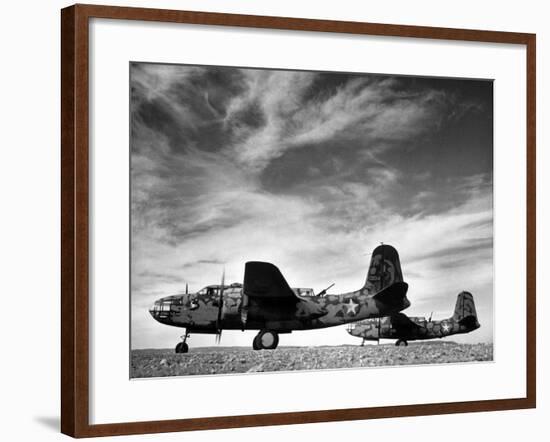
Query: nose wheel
[(182, 347), (266, 340), (401, 343)]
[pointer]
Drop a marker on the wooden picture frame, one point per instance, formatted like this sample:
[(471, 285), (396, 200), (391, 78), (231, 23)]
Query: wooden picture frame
[(75, 219)]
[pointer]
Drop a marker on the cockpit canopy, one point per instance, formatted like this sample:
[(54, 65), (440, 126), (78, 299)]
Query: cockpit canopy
[(164, 307), (215, 289), (301, 291)]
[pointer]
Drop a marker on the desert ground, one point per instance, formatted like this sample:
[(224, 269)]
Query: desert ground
[(229, 360)]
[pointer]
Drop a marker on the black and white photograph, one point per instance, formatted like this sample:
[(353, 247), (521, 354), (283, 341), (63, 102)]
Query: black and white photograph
[(288, 220), (276, 220)]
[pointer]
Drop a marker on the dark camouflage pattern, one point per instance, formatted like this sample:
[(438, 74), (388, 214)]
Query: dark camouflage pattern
[(405, 328), (275, 306)]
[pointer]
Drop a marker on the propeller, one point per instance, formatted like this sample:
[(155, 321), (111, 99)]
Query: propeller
[(186, 289), (220, 310), (244, 309)]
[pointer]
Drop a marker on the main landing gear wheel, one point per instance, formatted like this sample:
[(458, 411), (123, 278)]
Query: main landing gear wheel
[(182, 347), (266, 340), (401, 343), (255, 344)]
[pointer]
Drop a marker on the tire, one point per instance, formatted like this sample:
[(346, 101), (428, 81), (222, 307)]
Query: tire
[(255, 345), (182, 347), (267, 340), (401, 343)]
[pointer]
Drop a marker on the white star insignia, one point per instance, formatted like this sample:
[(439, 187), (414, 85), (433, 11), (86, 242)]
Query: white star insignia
[(351, 306), (446, 327)]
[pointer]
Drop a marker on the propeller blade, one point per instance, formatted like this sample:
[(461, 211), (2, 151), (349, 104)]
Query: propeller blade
[(220, 309), (244, 309), (186, 289)]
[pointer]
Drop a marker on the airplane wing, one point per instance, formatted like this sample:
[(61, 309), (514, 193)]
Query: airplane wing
[(263, 280), (402, 324)]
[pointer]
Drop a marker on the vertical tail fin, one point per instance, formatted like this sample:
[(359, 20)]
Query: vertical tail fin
[(465, 309), (384, 270)]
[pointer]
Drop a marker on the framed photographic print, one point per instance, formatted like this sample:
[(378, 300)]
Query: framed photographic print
[(265, 205)]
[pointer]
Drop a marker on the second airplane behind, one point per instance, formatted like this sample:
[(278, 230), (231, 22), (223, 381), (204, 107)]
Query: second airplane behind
[(404, 328)]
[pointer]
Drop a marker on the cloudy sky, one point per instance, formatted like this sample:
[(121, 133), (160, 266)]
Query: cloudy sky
[(309, 171)]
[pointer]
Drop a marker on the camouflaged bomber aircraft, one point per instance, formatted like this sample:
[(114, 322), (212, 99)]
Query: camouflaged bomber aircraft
[(265, 302), (403, 328)]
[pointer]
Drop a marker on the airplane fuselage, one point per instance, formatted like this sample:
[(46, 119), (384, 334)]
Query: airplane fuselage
[(200, 312), (375, 329)]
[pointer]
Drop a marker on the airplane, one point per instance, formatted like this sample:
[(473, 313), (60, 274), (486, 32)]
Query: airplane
[(403, 328), (265, 302)]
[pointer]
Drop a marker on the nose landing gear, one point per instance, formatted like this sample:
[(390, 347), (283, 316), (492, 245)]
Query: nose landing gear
[(266, 340), (182, 347)]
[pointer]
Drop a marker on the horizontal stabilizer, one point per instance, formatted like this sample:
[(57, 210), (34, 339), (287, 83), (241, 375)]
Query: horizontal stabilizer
[(264, 280), (394, 295), (469, 322)]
